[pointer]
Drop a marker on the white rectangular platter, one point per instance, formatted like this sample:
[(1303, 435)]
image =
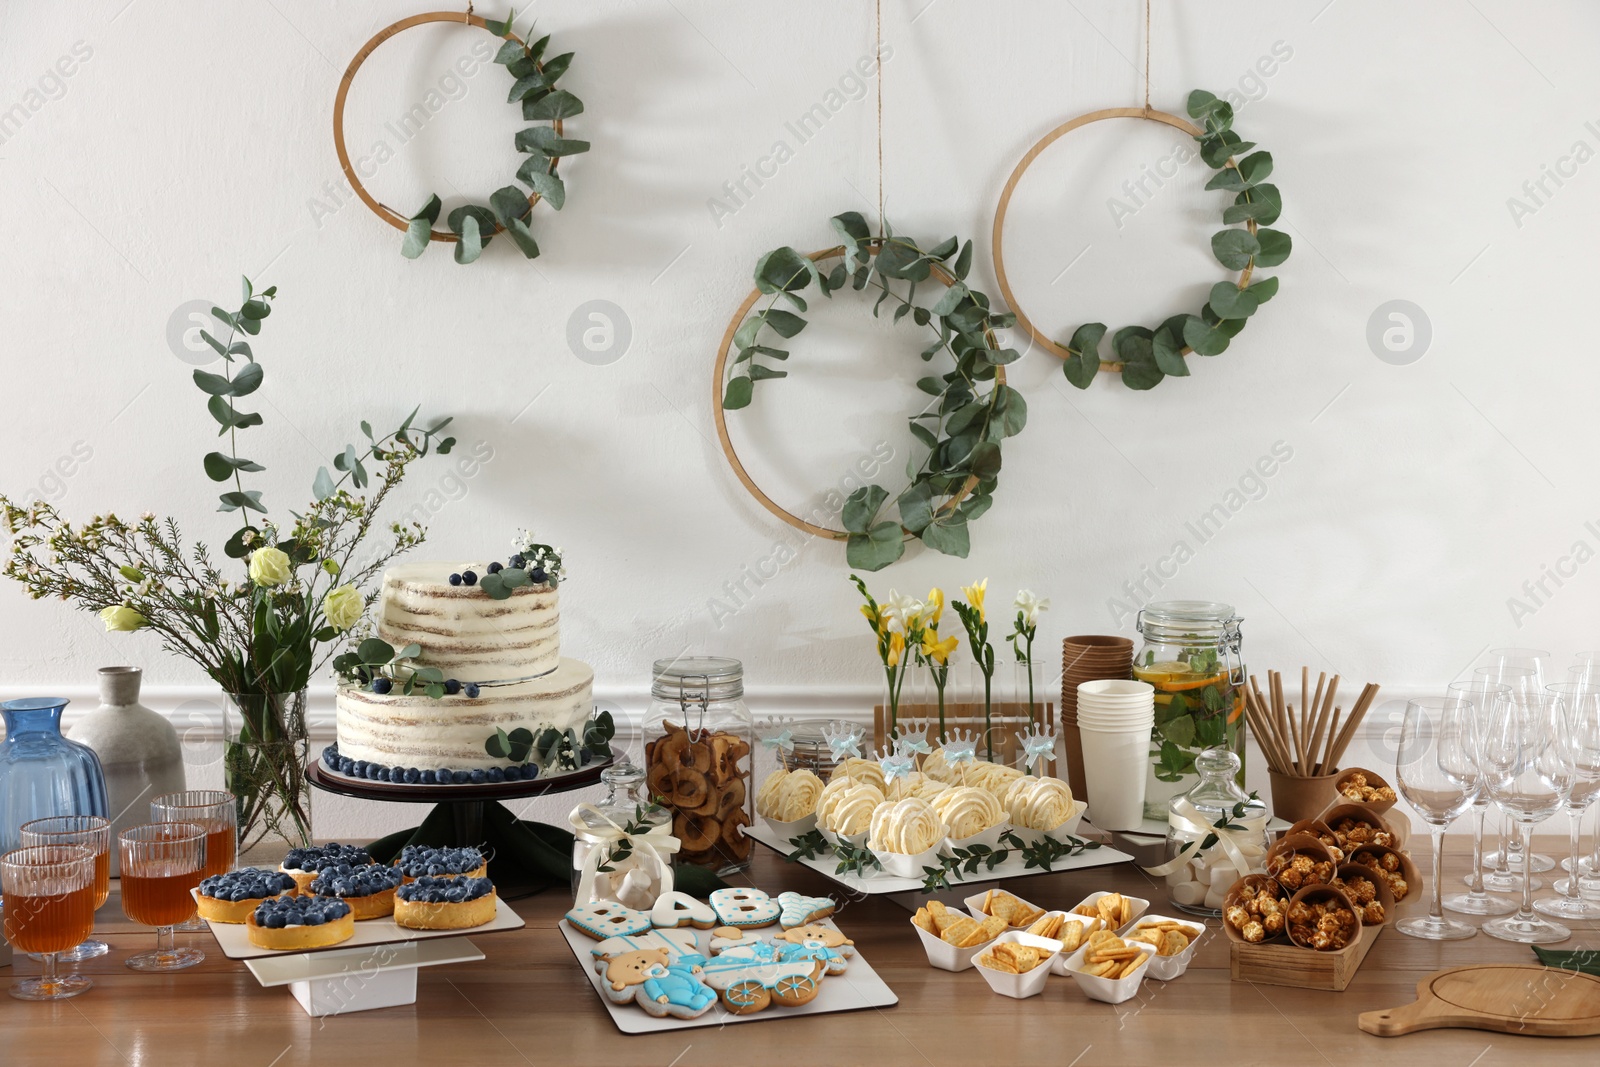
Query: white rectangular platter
[(235, 942), (877, 882), (287, 967), (857, 988)]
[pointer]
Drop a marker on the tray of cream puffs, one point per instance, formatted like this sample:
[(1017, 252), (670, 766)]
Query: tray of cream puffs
[(335, 896)]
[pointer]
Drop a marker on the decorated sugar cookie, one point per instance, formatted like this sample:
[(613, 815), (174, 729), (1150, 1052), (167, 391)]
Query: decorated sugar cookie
[(656, 973), (751, 977), (604, 918), (744, 907), (676, 909), (798, 910), (816, 941)]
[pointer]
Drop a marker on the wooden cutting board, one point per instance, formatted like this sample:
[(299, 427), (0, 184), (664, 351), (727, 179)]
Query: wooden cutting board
[(1510, 998)]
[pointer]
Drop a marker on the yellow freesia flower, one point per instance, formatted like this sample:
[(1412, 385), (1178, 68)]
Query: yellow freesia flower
[(974, 594), (937, 650), (874, 618), (934, 608), (897, 648)]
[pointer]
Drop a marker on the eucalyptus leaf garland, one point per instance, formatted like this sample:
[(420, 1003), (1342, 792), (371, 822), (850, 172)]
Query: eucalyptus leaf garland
[(509, 207), (1147, 356), (970, 412)]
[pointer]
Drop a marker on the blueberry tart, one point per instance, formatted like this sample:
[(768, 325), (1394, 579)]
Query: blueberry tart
[(368, 890), (231, 897), (303, 864), (417, 861), (300, 923), (454, 903)]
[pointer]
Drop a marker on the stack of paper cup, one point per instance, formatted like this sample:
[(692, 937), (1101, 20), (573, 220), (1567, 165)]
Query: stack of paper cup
[(1114, 718)]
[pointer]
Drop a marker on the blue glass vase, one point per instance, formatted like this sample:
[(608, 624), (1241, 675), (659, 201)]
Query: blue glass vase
[(41, 772)]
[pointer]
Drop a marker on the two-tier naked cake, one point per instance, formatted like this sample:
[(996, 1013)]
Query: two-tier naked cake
[(486, 662)]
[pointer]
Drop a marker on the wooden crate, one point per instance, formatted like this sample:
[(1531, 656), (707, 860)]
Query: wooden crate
[(1006, 721), (1289, 965)]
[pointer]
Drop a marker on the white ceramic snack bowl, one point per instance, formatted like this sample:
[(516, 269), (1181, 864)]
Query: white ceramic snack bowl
[(974, 905), (852, 840), (788, 831), (1020, 986), (899, 865), (1140, 906), (1060, 833), (989, 838), (1166, 968), (1059, 963), (945, 956), (1105, 989)]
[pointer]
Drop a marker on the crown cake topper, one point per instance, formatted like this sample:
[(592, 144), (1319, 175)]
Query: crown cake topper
[(776, 734), (1038, 744), (844, 740), (960, 747), (896, 762), (911, 741)]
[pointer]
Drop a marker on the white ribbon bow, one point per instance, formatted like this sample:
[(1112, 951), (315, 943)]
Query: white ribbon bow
[(1187, 819), (1037, 746), (653, 847)]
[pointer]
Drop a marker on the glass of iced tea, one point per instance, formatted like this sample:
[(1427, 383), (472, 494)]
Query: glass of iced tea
[(93, 832), (49, 891), (161, 863), (218, 813)]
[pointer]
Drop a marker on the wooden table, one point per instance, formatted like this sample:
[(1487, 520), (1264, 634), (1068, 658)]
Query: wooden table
[(527, 1003)]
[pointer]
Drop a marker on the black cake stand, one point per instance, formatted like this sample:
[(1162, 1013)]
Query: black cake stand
[(523, 857)]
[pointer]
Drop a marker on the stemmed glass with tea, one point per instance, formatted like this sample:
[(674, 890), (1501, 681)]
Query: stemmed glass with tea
[(49, 892), (1438, 774), (218, 813), (93, 832), (161, 863), (1528, 765)]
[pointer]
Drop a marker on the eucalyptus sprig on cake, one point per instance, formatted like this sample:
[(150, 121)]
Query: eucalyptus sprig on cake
[(971, 410), (259, 627), (510, 209), (1147, 356)]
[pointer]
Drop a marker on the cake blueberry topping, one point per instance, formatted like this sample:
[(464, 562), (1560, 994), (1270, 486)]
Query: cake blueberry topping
[(281, 912), (455, 890), (247, 883), (347, 881), (320, 857), (420, 861)]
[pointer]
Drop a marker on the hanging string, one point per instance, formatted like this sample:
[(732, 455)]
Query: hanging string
[(1146, 56), (877, 55)]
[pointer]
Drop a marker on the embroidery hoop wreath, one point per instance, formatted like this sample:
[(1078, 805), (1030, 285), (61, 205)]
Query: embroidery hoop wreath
[(963, 425), (472, 227), (1145, 357)]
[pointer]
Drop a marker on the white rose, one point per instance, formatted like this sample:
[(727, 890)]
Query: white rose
[(342, 607), (270, 566)]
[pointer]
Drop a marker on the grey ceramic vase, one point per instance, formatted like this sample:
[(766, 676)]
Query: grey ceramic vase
[(137, 747)]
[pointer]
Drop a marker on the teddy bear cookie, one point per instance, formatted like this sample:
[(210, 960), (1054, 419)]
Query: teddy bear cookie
[(656, 971)]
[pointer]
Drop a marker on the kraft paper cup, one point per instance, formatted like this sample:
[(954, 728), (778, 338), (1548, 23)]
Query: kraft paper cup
[(1374, 779), (1313, 894), (1250, 885), (1295, 798), (1114, 765), (1408, 868), (1383, 895), (1392, 822)]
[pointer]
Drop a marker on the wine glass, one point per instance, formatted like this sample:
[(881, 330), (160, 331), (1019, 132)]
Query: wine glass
[(1527, 762), (1583, 717), (1506, 860), (93, 832), (218, 813), (49, 908), (161, 863), (1483, 696), (1437, 771)]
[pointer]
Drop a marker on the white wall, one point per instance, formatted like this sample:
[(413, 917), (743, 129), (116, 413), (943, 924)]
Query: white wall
[(191, 143)]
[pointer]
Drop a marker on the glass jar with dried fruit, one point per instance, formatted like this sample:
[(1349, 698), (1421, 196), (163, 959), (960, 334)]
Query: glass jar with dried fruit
[(698, 737)]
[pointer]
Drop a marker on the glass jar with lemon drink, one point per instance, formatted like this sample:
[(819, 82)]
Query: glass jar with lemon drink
[(1192, 655)]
